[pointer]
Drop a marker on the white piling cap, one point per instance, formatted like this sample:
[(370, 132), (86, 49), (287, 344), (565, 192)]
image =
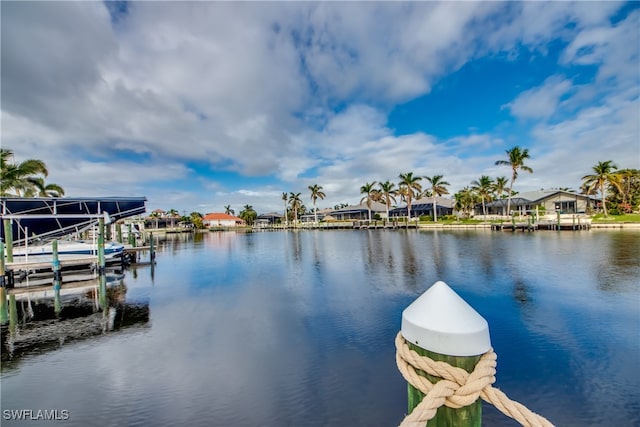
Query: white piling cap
[(442, 322)]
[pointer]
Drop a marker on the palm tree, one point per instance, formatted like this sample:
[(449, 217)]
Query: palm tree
[(285, 198), (367, 189), (228, 210), (409, 184), (388, 193), (316, 193), (465, 201), (483, 187), (500, 186), (438, 188), (296, 203), (516, 157), (40, 189), (248, 214), (18, 178), (603, 174)]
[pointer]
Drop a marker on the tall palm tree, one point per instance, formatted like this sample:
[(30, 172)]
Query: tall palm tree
[(388, 193), (316, 193), (228, 210), (438, 187), (296, 204), (483, 187), (516, 157), (367, 189), (603, 174), (500, 186), (410, 184), (285, 199), (17, 178)]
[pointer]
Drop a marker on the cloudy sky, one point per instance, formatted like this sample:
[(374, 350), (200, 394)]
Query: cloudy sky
[(203, 104)]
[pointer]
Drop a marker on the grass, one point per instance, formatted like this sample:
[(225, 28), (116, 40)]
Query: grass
[(599, 218)]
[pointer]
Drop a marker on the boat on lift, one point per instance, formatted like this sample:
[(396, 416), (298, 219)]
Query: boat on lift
[(71, 247)]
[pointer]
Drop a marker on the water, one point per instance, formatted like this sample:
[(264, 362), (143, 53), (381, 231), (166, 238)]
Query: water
[(297, 329)]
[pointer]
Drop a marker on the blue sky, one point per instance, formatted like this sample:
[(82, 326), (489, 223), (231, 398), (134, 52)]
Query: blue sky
[(203, 104)]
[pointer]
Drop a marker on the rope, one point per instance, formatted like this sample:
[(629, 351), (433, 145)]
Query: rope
[(457, 388)]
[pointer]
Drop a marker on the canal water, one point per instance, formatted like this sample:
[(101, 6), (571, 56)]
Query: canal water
[(297, 329)]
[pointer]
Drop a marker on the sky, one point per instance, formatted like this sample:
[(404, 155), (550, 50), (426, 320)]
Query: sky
[(199, 105)]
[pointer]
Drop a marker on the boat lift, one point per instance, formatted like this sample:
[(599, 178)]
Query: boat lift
[(52, 217)]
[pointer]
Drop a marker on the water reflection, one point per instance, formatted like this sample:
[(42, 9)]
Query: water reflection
[(45, 320), (301, 325)]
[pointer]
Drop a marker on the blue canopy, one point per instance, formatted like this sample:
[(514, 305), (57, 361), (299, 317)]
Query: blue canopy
[(58, 216)]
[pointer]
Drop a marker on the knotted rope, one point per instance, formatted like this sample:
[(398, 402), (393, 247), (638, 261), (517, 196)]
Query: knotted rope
[(457, 388)]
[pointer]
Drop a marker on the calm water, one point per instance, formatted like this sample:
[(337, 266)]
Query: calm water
[(297, 329)]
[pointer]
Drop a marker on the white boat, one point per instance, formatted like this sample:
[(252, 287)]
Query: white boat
[(71, 247)]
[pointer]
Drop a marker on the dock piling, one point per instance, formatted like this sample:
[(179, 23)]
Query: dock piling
[(13, 314), (101, 259), (441, 325), (8, 238), (4, 314), (2, 266)]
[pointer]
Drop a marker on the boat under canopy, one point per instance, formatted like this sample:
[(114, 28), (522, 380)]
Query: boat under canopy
[(50, 217)]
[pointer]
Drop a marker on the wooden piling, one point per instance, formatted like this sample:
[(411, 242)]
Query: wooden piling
[(8, 238), (2, 266), (152, 251), (101, 259), (441, 325), (132, 238), (103, 291), (4, 314), (13, 314)]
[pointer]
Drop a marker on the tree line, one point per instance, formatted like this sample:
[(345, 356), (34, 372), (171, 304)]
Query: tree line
[(620, 188)]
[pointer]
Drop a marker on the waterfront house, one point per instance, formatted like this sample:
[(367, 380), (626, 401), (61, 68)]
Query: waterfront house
[(268, 219), (322, 213), (424, 207), (552, 200), (215, 219), (358, 212)]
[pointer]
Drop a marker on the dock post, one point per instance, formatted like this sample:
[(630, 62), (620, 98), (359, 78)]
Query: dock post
[(57, 278), (2, 272), (57, 305), (4, 314), (513, 221), (101, 261), (8, 238), (558, 215), (55, 263), (131, 237), (152, 250), (103, 291), (13, 314), (119, 232), (441, 325)]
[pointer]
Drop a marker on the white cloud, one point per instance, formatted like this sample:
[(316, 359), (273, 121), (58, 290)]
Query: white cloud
[(297, 90), (540, 102)]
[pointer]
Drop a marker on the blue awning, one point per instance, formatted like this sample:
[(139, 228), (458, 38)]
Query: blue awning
[(49, 217)]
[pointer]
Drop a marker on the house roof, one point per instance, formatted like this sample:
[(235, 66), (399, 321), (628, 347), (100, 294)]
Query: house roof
[(375, 207), (270, 215), (428, 201), (214, 216), (531, 197)]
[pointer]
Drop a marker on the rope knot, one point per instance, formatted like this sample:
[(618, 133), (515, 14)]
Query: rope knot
[(457, 388)]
